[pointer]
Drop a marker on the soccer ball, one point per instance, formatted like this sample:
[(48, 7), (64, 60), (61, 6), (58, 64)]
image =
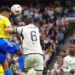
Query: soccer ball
[(16, 9)]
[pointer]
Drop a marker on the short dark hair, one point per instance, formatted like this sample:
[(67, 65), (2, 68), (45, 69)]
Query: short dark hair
[(2, 9), (28, 20)]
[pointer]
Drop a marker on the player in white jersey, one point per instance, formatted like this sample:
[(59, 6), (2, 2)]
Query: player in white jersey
[(31, 45), (69, 62)]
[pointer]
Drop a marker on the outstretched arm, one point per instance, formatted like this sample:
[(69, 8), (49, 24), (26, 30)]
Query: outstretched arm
[(14, 30), (9, 30)]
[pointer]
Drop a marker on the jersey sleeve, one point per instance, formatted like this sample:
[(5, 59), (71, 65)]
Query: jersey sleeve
[(19, 30), (6, 22)]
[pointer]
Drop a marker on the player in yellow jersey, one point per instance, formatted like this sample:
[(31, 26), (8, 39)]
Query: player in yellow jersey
[(6, 45)]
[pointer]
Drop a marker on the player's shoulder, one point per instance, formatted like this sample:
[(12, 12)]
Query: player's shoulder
[(67, 57), (20, 27), (3, 18), (30, 26)]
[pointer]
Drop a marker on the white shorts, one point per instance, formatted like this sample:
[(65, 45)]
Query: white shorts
[(34, 61)]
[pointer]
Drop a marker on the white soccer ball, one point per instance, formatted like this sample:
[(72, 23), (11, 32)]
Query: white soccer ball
[(16, 9)]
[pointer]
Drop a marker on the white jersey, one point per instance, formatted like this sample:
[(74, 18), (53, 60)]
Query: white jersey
[(31, 39), (68, 63)]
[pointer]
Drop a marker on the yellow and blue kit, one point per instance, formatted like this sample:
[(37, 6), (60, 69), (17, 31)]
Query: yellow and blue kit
[(6, 45)]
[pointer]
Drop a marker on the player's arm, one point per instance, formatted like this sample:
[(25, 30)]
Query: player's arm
[(8, 27), (9, 30), (14, 30)]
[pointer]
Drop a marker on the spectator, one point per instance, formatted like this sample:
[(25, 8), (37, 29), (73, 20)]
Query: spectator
[(69, 63)]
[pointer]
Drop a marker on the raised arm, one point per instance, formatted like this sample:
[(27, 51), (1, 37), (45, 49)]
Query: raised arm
[(9, 30)]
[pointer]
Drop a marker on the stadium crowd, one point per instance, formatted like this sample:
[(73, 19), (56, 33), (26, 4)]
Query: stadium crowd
[(51, 20)]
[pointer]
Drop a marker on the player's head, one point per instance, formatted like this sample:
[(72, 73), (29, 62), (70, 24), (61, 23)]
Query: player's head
[(29, 21), (72, 50), (5, 11)]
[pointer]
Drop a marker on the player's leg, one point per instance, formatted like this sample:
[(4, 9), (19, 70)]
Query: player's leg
[(39, 72), (28, 63), (38, 66), (21, 62), (34, 65), (31, 72), (4, 63), (6, 68)]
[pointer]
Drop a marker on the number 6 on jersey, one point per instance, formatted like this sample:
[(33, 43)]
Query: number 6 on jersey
[(33, 35)]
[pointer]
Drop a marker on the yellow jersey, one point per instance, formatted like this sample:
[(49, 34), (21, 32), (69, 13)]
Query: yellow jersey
[(4, 23)]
